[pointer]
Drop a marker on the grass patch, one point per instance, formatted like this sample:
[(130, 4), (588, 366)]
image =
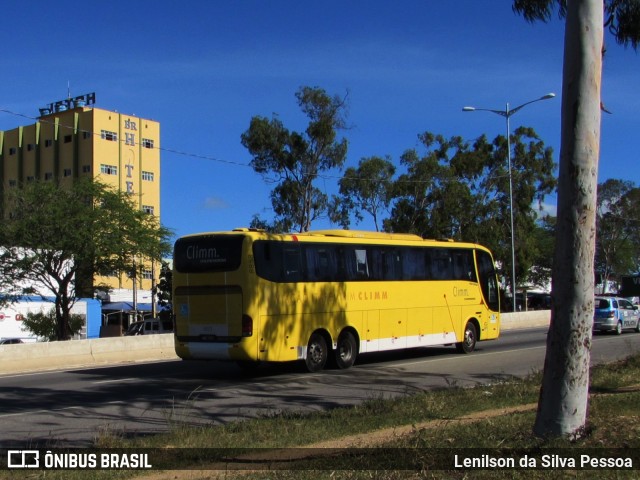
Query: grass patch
[(422, 427)]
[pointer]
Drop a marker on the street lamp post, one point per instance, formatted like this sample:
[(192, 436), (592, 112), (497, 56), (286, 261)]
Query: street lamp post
[(507, 113)]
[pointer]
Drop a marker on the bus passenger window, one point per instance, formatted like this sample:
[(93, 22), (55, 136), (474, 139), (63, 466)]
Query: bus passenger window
[(321, 264), (292, 265), (362, 268), (413, 261), (441, 264), (463, 265)]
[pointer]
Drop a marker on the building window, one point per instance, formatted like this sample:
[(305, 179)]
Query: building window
[(31, 178), (86, 135), (148, 176), (108, 169), (48, 176), (68, 138), (147, 143), (148, 209), (86, 169), (13, 150), (48, 143), (67, 172), (147, 274), (13, 183), (107, 135), (30, 147)]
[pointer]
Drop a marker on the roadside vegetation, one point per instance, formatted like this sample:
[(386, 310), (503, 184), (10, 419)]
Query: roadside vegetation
[(394, 438)]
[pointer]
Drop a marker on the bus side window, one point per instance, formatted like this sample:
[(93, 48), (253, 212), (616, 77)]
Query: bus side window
[(385, 264), (320, 263), (441, 264), (292, 264), (463, 265), (362, 266), (356, 266), (413, 261)]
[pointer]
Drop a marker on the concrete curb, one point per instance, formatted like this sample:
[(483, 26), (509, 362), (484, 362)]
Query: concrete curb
[(33, 357)]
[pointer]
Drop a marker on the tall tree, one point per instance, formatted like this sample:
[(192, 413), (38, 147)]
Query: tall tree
[(296, 159), (562, 407), (543, 240), (459, 189), (617, 217), (57, 237), (366, 188)]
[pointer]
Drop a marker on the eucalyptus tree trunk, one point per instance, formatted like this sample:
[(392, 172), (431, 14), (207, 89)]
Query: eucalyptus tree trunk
[(562, 407)]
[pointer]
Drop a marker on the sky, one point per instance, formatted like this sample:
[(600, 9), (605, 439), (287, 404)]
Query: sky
[(204, 68)]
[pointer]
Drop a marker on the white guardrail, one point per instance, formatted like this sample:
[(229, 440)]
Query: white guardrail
[(31, 357)]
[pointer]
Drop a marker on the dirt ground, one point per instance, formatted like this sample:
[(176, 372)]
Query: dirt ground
[(364, 440)]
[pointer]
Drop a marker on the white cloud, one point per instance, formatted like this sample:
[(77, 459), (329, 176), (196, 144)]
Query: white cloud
[(215, 203)]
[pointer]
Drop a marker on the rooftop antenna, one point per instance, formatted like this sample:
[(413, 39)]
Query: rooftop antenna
[(68, 89)]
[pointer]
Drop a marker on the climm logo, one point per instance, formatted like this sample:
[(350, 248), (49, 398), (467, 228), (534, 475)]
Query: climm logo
[(369, 295), (207, 254)]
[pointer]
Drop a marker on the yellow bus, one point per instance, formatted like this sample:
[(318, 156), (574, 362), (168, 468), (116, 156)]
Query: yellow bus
[(327, 296)]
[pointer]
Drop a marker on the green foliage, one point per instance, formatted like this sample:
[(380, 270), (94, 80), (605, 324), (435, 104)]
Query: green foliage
[(367, 188), (617, 220), (44, 325), (622, 17), (294, 160), (460, 190), (165, 285), (57, 239)]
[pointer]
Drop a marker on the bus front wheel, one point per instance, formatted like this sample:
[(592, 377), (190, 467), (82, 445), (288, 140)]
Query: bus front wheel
[(346, 350), (317, 353), (468, 343)]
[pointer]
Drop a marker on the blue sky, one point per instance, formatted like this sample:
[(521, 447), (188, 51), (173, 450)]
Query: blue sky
[(204, 68)]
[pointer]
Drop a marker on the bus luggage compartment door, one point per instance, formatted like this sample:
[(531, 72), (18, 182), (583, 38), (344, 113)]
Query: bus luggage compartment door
[(210, 312)]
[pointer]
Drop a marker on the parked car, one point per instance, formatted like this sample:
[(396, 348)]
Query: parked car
[(155, 325), (150, 326), (615, 314), (10, 341), (134, 329)]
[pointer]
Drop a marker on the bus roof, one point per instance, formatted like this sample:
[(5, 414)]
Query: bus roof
[(346, 234), (364, 234)]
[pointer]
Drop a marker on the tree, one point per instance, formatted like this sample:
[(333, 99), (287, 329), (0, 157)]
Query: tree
[(617, 217), (460, 190), (297, 159), (45, 325), (543, 240), (364, 189), (562, 407), (165, 285), (57, 239)]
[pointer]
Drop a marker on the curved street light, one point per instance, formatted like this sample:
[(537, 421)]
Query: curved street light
[(507, 113)]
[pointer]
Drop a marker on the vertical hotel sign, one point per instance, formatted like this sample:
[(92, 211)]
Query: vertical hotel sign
[(131, 129)]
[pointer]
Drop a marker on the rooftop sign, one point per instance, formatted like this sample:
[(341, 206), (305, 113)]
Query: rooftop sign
[(69, 103)]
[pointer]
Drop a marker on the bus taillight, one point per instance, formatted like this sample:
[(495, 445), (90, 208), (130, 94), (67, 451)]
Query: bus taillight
[(247, 326)]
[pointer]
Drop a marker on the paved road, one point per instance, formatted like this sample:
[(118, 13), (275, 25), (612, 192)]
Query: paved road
[(72, 408)]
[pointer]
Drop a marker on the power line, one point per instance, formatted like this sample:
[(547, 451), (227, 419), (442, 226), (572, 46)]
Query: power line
[(216, 159)]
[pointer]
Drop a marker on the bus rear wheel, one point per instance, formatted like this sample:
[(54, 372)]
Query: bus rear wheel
[(346, 350), (468, 343), (317, 353)]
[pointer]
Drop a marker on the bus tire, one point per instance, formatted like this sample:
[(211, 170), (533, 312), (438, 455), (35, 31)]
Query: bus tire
[(468, 343), (346, 350), (317, 353)]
